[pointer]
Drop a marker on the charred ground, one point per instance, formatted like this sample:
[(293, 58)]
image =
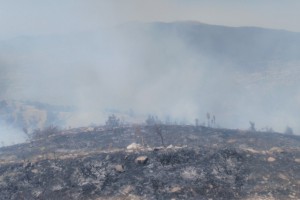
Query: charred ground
[(197, 163)]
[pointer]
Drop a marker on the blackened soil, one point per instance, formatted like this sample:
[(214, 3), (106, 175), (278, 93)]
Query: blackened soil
[(202, 163)]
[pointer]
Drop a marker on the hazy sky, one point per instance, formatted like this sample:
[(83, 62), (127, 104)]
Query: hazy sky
[(36, 17)]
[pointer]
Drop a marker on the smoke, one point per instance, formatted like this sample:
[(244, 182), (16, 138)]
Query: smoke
[(168, 70), (150, 70), (10, 135)]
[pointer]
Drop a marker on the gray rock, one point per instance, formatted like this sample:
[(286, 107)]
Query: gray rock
[(119, 168), (141, 160)]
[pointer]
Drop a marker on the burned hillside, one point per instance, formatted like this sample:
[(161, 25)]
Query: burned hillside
[(130, 162)]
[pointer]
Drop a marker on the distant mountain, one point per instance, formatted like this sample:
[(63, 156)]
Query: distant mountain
[(246, 47), (241, 45)]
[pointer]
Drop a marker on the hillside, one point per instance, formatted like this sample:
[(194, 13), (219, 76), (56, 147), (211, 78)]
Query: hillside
[(248, 48), (197, 163)]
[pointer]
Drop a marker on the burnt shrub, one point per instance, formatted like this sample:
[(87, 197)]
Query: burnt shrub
[(43, 133)]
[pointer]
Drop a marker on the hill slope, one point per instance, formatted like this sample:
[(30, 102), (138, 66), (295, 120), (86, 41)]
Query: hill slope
[(202, 163), (249, 48)]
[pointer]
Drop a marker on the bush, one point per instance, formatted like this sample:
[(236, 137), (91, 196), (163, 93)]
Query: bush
[(152, 120), (112, 122), (289, 131), (252, 126)]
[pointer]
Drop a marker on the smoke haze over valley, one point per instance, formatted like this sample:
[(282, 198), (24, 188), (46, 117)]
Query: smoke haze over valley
[(178, 68)]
